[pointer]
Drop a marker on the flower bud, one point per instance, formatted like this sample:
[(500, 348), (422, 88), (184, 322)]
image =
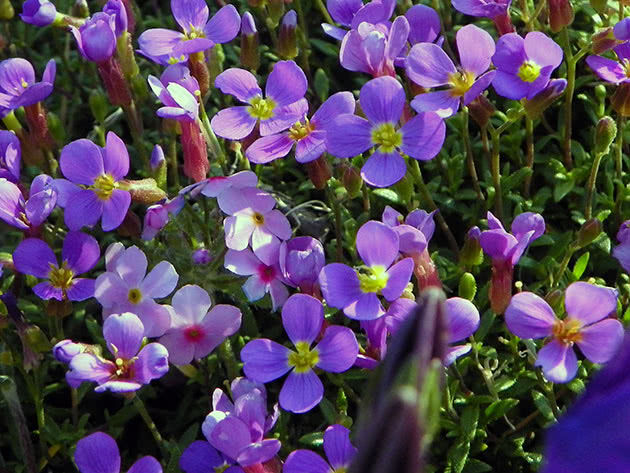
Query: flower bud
[(560, 14), (201, 257), (589, 231), (556, 300), (96, 39), (535, 106), (98, 105), (605, 133), (621, 100), (157, 158), (603, 41), (65, 350), (471, 254), (467, 286), (154, 220), (301, 260), (250, 58), (287, 39), (80, 9), (481, 110), (599, 5), (38, 12), (319, 171), (6, 10), (144, 191), (600, 92), (275, 9), (352, 181), (116, 8)]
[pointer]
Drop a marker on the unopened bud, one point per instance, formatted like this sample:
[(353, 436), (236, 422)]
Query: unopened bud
[(131, 226), (471, 254), (603, 41), (6, 10), (157, 158), (555, 299), (481, 110), (80, 9), (36, 339), (589, 231), (98, 105), (543, 99), (201, 256), (467, 286), (621, 100), (319, 171), (275, 9), (287, 39), (144, 191), (352, 181), (250, 58), (600, 92), (560, 14), (65, 350), (605, 134)]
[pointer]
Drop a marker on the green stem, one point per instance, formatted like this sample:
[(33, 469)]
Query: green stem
[(549, 393), (334, 203), (495, 164), (341, 383), (529, 159), (563, 265), (211, 139), (142, 410), (324, 11), (619, 146), (590, 186), (227, 357), (206, 221), (469, 156)]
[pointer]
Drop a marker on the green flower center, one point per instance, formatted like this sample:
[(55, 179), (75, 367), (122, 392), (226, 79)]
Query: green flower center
[(461, 82), (567, 330), (194, 33), (374, 279), (261, 108), (103, 186), (299, 130), (304, 359), (134, 295), (175, 60), (61, 277), (387, 137), (529, 71)]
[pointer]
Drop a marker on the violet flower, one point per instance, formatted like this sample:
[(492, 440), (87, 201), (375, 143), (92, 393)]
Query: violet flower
[(308, 136), (157, 216), (18, 87), (301, 260), (351, 13), (615, 72), (429, 66), (99, 170), (339, 452), (30, 214), (65, 350), (252, 217), (199, 33), (126, 287), (263, 278), (201, 257), (195, 331), (622, 251), (283, 106), (356, 291), (98, 453), (524, 66), (79, 254), (215, 185), (265, 360), (38, 12), (132, 367), (116, 8), (497, 10), (463, 321), (96, 38), (201, 457), (382, 101), (586, 324), (506, 249), (10, 156)]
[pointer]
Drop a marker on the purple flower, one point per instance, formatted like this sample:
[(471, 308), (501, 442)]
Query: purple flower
[(99, 169), (483, 8), (201, 457), (79, 254), (308, 136), (622, 251), (586, 324), (130, 369), (463, 321), (98, 453), (202, 256), (116, 8), (373, 48), (339, 452), (382, 101), (177, 90), (126, 287), (262, 279), (214, 186), (96, 38), (615, 72), (265, 360), (194, 330), (157, 216), (283, 105), (32, 213), (18, 87), (351, 13), (10, 154), (524, 66), (414, 232), (424, 24), (252, 217), (429, 66), (356, 292), (199, 33), (65, 350), (301, 260), (38, 12), (157, 158)]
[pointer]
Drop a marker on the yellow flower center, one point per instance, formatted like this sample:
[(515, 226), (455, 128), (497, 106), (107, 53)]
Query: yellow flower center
[(258, 218), (625, 64), (61, 277), (461, 82), (261, 108), (24, 84), (567, 330), (176, 60), (387, 137), (134, 296), (194, 33), (374, 279), (103, 186), (529, 71), (304, 359), (299, 130)]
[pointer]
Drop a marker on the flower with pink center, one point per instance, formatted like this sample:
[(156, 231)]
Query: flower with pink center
[(263, 278), (195, 330), (252, 217)]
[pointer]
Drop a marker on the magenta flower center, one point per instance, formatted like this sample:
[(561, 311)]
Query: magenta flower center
[(103, 186), (194, 334), (304, 359), (567, 331), (266, 273), (61, 277)]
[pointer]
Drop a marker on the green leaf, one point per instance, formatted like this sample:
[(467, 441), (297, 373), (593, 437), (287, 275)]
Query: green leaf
[(580, 265), (329, 411), (314, 439), (499, 408), (542, 403), (469, 420), (562, 188), (458, 455), (387, 194), (476, 466), (514, 179)]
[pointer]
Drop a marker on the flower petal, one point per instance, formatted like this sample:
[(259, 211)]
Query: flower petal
[(476, 48), (45, 290), (338, 349), (190, 13), (301, 392), (131, 266), (33, 256), (81, 162), (81, 289), (286, 83), (191, 303), (160, 281), (123, 334), (589, 303), (97, 453), (607, 69), (302, 318), (268, 148), (339, 284), (601, 341), (81, 251), (442, 102), (115, 209), (152, 363), (463, 318), (377, 244), (234, 123), (348, 136), (258, 452), (558, 362), (399, 276), (529, 316), (239, 83), (382, 100), (428, 65), (337, 446), (305, 461), (200, 457), (264, 360), (243, 263), (224, 25), (384, 169), (335, 105), (110, 289), (230, 436), (115, 157), (85, 208), (423, 136), (366, 307)]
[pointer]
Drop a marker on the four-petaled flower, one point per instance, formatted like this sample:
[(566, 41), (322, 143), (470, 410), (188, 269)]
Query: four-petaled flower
[(98, 453)]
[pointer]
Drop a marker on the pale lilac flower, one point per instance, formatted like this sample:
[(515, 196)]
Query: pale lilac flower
[(38, 12), (615, 72), (132, 366), (339, 452), (586, 324), (252, 217), (356, 291), (96, 38), (215, 185), (79, 254), (265, 360), (262, 279), (195, 331), (351, 13), (91, 188), (382, 101), (126, 287), (157, 216), (177, 89), (283, 105), (65, 350), (29, 214), (98, 453)]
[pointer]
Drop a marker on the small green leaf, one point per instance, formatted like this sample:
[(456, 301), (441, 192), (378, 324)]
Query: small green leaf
[(469, 421), (314, 439), (542, 403), (499, 408), (458, 455), (580, 265)]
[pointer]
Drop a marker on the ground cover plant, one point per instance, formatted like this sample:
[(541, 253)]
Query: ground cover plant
[(311, 236)]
